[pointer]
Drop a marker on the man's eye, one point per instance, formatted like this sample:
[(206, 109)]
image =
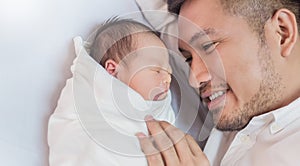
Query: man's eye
[(189, 60), (209, 47), (187, 55)]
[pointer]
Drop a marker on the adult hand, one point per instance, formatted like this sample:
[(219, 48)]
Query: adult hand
[(167, 145)]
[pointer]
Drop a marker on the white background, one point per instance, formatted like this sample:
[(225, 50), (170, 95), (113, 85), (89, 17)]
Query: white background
[(36, 54)]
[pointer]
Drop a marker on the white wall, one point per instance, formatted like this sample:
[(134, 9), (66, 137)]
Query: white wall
[(36, 53)]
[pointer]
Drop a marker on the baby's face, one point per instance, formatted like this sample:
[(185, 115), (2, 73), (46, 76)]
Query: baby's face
[(149, 71)]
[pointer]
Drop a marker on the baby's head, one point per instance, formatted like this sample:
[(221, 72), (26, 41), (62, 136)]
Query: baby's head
[(134, 54)]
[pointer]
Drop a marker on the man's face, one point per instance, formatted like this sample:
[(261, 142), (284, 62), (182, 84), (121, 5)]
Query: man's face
[(232, 69)]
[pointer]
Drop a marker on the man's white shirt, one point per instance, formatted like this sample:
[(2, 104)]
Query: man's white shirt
[(269, 139)]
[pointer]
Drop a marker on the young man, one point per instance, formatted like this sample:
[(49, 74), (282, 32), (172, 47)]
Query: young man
[(245, 60)]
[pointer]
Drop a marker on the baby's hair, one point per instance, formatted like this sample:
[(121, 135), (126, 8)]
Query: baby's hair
[(116, 38)]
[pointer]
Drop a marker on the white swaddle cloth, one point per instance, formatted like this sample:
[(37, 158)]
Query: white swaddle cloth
[(97, 116), (123, 108)]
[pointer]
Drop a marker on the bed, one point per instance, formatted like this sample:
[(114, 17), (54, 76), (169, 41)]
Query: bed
[(36, 55)]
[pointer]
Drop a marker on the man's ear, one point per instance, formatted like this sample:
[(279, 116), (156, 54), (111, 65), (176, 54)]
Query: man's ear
[(111, 67), (286, 27)]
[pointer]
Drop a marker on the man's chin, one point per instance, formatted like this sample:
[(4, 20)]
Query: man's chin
[(229, 125), (216, 114), (220, 121)]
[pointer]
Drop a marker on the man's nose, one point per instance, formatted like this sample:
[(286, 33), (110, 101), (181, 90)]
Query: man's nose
[(198, 73)]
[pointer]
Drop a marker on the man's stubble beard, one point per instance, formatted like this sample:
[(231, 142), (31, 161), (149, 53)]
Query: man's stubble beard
[(262, 101)]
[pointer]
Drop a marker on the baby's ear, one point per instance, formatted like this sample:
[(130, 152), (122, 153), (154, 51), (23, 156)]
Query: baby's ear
[(111, 66)]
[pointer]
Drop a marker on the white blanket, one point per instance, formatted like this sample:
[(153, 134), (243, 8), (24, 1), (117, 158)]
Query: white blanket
[(97, 116)]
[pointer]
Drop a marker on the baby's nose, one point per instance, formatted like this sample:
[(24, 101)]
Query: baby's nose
[(167, 78)]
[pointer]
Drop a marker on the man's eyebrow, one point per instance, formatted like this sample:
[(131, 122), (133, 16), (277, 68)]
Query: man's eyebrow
[(202, 33)]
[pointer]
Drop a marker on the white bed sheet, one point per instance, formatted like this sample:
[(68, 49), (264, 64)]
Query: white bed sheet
[(36, 54)]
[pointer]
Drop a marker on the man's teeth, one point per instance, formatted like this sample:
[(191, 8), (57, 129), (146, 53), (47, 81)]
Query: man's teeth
[(215, 95)]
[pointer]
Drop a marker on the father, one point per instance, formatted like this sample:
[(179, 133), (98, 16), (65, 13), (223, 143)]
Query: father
[(256, 45)]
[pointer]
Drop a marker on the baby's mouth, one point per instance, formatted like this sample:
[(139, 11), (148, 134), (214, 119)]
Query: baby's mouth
[(157, 97)]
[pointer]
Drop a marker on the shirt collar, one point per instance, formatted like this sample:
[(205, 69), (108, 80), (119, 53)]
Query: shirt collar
[(276, 120), (285, 115)]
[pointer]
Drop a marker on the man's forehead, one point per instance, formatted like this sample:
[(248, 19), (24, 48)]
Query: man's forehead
[(190, 32), (186, 28), (196, 21)]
